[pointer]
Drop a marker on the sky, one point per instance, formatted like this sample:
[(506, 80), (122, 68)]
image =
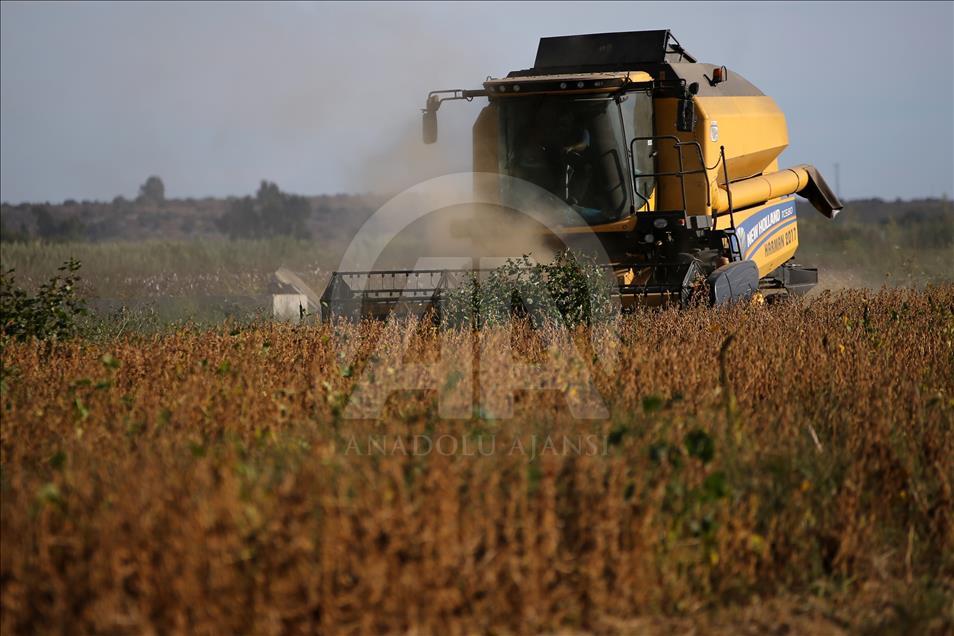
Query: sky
[(326, 98)]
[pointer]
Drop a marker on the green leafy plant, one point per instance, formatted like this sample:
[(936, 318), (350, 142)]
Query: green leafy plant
[(571, 290), (50, 314)]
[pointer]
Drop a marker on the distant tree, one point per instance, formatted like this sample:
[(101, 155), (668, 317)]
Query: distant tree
[(11, 235), (119, 207), (270, 213), (46, 225), (50, 228), (152, 191)]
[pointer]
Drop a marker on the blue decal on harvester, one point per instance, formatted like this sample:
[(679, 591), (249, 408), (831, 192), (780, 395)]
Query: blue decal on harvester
[(755, 230)]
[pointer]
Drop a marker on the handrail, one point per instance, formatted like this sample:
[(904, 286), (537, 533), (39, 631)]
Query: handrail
[(681, 173), (728, 188), (731, 211)]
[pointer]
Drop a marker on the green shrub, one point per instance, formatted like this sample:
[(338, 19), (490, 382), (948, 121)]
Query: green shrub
[(50, 314), (571, 290)]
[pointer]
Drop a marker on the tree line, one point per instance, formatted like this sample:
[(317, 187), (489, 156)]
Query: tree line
[(268, 213)]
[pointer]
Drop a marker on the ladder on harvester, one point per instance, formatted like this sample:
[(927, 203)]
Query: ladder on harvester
[(735, 248)]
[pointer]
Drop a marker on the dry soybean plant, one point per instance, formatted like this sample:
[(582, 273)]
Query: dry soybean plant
[(210, 481)]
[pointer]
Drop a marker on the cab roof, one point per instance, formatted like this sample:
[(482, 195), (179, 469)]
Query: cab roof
[(611, 60), (606, 52)]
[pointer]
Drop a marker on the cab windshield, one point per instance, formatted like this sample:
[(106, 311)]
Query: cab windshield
[(574, 147)]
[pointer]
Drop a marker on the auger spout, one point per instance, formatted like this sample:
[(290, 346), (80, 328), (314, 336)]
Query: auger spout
[(803, 179)]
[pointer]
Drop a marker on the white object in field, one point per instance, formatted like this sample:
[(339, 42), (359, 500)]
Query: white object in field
[(288, 277), (289, 282), (289, 307)]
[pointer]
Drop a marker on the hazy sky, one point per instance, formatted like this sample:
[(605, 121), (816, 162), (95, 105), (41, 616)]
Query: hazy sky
[(325, 98)]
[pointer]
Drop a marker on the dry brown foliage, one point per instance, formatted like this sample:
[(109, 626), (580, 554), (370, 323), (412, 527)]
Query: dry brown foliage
[(201, 481)]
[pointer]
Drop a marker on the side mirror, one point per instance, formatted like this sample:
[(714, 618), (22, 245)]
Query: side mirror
[(429, 126), (686, 119)]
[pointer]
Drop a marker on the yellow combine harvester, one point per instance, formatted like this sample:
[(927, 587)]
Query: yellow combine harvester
[(672, 163)]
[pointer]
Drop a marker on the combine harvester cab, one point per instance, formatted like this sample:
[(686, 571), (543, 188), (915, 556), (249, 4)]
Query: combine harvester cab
[(671, 163)]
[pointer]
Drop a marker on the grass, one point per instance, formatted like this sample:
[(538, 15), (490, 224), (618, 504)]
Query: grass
[(850, 252), (159, 269), (797, 457), (853, 252)]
